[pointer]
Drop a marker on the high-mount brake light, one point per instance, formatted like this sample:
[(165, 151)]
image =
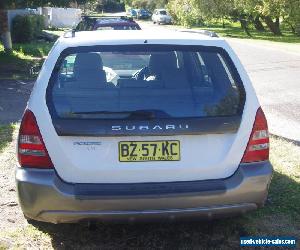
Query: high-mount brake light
[(258, 145), (32, 152)]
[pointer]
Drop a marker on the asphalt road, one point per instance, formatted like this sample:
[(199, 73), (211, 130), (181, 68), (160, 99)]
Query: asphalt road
[(274, 69), (275, 74), (14, 95)]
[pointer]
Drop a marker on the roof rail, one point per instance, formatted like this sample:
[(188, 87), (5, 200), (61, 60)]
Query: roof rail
[(107, 17), (70, 33), (201, 32)]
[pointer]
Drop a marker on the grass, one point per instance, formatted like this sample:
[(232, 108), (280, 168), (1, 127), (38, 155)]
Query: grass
[(6, 135), (234, 30), (17, 63), (57, 32), (280, 217), (14, 64), (35, 49)]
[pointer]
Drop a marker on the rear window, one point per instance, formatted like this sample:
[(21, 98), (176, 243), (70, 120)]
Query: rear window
[(162, 12), (144, 82)]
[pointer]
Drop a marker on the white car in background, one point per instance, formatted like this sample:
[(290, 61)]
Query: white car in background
[(161, 16), (133, 125)]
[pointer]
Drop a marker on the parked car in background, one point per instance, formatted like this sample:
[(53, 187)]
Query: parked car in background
[(143, 14), (132, 13), (133, 125), (161, 16), (89, 23)]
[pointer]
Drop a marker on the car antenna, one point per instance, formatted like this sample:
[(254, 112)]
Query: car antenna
[(73, 32)]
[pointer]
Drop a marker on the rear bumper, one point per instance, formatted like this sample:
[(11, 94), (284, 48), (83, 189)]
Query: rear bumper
[(45, 197), (165, 22)]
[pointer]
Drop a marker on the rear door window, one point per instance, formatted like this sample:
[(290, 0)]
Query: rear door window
[(144, 82), (163, 12)]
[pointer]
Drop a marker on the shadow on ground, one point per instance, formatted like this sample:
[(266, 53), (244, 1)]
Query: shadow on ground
[(17, 64), (296, 142), (14, 67), (277, 218), (197, 235), (14, 95)]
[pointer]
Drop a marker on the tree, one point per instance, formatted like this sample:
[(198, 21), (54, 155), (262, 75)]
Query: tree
[(190, 12), (271, 12), (4, 31), (292, 15), (13, 4), (146, 4), (222, 9)]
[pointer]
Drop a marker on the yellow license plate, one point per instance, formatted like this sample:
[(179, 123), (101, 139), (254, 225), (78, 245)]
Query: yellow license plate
[(131, 151)]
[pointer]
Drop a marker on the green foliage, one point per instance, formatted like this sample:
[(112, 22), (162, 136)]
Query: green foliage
[(17, 63), (110, 5), (292, 15), (233, 29), (272, 12), (38, 3), (27, 28), (146, 4), (6, 135), (187, 13), (195, 12)]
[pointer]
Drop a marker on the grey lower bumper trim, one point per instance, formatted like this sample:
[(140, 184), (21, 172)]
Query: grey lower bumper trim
[(58, 216), (44, 196)]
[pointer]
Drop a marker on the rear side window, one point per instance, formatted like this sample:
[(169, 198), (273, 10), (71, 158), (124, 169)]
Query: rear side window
[(85, 25), (163, 12), (144, 82)]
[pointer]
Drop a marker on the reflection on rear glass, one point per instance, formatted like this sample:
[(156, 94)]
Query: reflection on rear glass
[(165, 84)]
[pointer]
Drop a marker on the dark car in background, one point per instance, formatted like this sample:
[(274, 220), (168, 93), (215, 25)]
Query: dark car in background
[(132, 13), (89, 23), (143, 14)]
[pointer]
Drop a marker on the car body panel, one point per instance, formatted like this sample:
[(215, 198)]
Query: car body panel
[(89, 182), (157, 17), (118, 23), (197, 162), (143, 14), (44, 196)]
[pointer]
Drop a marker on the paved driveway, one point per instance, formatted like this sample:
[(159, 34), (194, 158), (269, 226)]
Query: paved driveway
[(275, 73), (13, 98)]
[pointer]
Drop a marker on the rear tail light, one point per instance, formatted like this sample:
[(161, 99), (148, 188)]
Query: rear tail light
[(258, 145), (32, 151)]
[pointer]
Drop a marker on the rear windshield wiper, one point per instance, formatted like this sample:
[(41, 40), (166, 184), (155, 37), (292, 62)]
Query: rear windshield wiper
[(136, 114)]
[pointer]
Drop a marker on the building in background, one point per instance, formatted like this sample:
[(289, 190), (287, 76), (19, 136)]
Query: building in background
[(60, 17), (54, 17)]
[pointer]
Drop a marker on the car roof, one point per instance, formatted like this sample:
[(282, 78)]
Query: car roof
[(107, 18), (115, 21), (122, 37)]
